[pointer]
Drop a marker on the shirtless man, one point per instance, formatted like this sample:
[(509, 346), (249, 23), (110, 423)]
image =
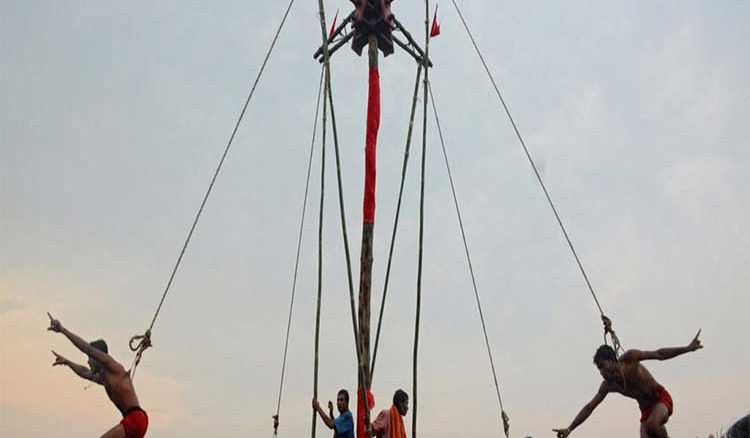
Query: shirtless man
[(628, 377), (109, 373)]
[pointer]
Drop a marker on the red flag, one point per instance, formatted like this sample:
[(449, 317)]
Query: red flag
[(435, 31), (333, 26)]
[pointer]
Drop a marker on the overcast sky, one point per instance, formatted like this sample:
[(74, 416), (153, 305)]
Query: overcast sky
[(113, 118)]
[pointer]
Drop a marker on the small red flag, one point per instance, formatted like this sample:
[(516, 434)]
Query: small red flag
[(333, 26), (435, 31)]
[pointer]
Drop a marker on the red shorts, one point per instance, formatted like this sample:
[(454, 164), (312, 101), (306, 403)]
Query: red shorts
[(135, 423), (662, 396)]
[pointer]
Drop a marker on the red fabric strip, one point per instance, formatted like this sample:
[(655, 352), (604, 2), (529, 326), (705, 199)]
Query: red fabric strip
[(361, 431), (371, 142)]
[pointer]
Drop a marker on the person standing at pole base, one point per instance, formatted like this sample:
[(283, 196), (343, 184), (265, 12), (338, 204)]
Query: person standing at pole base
[(343, 425), (390, 422)]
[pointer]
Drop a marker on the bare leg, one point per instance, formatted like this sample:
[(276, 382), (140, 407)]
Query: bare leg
[(654, 426), (116, 432)]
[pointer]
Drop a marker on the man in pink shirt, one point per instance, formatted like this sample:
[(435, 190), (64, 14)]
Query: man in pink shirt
[(390, 423)]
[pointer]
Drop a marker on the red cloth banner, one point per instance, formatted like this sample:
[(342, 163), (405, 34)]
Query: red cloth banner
[(435, 30), (371, 143), (333, 26), (361, 431)]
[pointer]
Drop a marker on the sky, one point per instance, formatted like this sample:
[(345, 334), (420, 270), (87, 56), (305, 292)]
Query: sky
[(115, 115)]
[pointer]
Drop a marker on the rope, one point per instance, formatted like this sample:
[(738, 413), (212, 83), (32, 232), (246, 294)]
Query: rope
[(147, 335), (329, 92), (426, 83), (534, 168), (398, 214), (504, 416), (296, 260)]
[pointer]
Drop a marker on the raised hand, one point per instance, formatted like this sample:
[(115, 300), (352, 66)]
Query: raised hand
[(54, 325), (695, 344), (562, 433), (316, 405), (330, 406), (59, 360)]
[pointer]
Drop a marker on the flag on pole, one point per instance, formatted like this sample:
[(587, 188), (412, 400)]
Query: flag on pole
[(333, 26), (435, 31)]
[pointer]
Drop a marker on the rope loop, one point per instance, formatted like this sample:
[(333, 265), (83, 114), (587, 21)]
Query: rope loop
[(139, 344)]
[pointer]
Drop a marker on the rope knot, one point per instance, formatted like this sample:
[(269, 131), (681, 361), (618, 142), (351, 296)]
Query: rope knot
[(139, 344), (275, 424), (608, 330)]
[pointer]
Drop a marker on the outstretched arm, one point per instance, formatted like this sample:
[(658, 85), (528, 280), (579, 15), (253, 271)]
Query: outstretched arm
[(585, 412), (100, 356), (82, 371), (326, 419), (663, 353)]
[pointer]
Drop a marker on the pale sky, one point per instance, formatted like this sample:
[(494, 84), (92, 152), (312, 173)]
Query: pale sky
[(113, 119)]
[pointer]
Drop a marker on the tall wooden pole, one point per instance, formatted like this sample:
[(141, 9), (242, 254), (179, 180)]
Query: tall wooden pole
[(415, 361), (368, 225)]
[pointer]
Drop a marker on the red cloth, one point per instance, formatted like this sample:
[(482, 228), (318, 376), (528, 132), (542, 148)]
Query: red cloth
[(435, 30), (333, 26), (371, 142), (662, 396), (135, 424), (361, 431)]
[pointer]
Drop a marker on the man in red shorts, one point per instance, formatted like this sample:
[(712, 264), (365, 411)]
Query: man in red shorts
[(628, 377), (109, 373)]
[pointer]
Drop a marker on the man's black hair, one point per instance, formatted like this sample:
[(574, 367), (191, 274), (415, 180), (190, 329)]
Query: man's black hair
[(603, 354), (345, 393), (100, 345), (400, 397)]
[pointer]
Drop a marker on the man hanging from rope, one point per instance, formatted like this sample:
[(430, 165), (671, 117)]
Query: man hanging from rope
[(628, 377), (343, 425), (390, 423), (109, 373)]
